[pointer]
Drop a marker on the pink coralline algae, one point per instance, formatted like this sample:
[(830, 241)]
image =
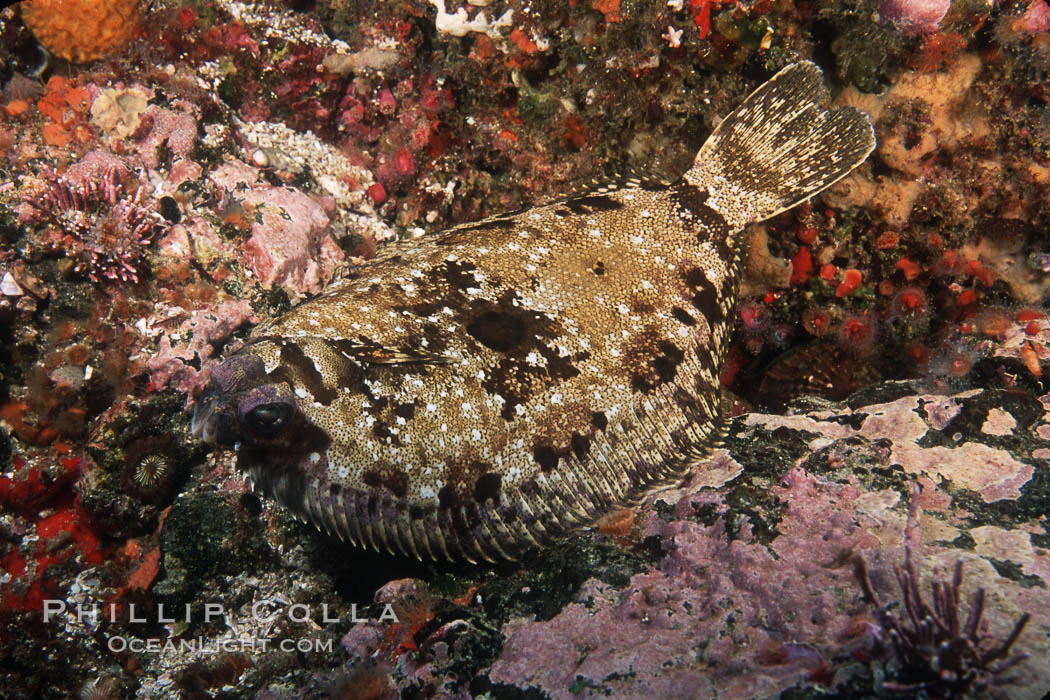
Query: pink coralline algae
[(175, 129), (105, 230), (207, 330), (719, 616), (1036, 19), (291, 245), (774, 604), (914, 16), (95, 166)]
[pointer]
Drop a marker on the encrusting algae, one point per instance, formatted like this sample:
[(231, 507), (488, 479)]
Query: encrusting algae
[(510, 379), (81, 30)]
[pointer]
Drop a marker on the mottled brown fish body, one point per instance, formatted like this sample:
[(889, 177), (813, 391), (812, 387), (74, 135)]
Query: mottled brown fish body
[(504, 381)]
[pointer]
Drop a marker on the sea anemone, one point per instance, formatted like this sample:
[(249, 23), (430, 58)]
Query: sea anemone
[(780, 335), (919, 354), (909, 312), (102, 229), (911, 304), (817, 321), (754, 321), (956, 360), (369, 680), (857, 334), (148, 468), (936, 650), (995, 321), (151, 470), (104, 688), (754, 318)]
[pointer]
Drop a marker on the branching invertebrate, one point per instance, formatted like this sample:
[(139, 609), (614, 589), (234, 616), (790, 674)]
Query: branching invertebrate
[(936, 650), (100, 227)]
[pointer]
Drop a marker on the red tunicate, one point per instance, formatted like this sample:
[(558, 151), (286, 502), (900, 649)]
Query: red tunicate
[(910, 269), (850, 283), (801, 266), (887, 239)]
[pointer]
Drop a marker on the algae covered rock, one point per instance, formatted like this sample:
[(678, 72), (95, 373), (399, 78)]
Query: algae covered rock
[(203, 538), (757, 591)]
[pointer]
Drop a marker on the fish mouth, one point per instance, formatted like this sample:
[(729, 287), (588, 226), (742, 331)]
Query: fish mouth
[(205, 422)]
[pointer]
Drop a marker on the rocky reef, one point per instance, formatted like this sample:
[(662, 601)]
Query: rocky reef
[(876, 522)]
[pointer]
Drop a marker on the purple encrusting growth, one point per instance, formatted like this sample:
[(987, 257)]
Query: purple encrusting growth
[(914, 16), (751, 598)]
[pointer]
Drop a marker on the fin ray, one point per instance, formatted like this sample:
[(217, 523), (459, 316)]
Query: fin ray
[(780, 147)]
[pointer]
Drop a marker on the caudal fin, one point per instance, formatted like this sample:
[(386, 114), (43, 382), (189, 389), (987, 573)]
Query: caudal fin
[(780, 147)]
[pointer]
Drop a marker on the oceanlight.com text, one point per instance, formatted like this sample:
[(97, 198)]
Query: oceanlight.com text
[(200, 645)]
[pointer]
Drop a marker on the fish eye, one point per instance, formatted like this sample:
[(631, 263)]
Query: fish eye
[(268, 419)]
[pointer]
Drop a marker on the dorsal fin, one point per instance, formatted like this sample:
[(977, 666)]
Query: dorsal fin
[(631, 179), (617, 180)]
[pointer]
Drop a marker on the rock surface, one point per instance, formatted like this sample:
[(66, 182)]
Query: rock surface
[(740, 583)]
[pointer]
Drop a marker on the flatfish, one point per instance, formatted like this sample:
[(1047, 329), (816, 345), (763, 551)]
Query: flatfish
[(504, 381)]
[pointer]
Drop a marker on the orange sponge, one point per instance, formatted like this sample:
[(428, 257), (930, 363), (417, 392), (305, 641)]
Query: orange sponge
[(81, 30)]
